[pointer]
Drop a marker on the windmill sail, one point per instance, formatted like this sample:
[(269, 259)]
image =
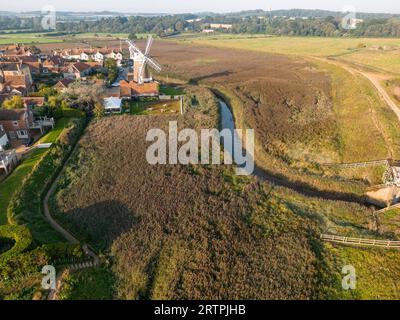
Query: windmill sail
[(141, 60)]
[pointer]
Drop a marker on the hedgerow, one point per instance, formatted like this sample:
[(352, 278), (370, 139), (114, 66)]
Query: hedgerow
[(20, 235), (26, 206)]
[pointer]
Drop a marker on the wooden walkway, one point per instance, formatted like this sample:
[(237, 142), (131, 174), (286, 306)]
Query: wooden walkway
[(361, 242)]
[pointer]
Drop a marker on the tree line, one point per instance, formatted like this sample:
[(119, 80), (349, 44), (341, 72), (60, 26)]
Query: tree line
[(329, 26)]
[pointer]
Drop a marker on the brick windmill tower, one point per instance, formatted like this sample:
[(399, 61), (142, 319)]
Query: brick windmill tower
[(141, 62)]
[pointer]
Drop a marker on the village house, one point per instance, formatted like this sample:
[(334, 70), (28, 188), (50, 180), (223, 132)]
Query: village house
[(20, 124), (103, 54), (132, 89), (33, 62), (98, 55), (72, 54), (53, 64), (30, 102), (16, 50), (63, 84), (77, 70), (15, 77)]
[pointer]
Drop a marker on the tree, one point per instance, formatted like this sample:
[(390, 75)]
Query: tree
[(112, 69), (15, 102), (132, 36), (98, 110)]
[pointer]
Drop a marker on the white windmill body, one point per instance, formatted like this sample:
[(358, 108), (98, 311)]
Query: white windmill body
[(141, 61)]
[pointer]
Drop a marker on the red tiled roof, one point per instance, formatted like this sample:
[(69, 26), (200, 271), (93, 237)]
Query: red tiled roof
[(12, 114), (132, 88), (33, 101), (81, 66), (64, 83)]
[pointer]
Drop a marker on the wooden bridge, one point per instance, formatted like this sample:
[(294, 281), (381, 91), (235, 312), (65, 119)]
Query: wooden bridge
[(361, 242)]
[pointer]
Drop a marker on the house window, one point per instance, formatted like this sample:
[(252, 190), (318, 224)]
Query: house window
[(15, 123), (22, 133)]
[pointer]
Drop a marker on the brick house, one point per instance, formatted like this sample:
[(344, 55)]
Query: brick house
[(20, 124), (63, 84), (15, 76), (33, 62), (132, 89), (77, 70), (53, 64)]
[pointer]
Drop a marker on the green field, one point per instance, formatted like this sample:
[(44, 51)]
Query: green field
[(38, 37), (302, 46), (28, 38)]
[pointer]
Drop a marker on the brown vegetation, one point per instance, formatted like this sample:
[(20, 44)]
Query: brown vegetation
[(286, 100), (173, 232)]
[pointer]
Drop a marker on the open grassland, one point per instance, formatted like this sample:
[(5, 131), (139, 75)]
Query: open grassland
[(54, 39), (387, 61), (28, 38), (362, 118), (378, 54), (301, 46), (305, 112)]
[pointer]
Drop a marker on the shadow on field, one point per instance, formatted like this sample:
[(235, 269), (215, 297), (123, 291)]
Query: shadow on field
[(195, 81), (102, 222)]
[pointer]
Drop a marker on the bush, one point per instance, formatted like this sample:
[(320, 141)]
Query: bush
[(20, 235), (68, 113)]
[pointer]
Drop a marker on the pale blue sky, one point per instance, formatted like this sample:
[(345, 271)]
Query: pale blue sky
[(181, 6)]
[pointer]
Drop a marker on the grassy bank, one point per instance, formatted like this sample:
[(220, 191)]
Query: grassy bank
[(14, 181)]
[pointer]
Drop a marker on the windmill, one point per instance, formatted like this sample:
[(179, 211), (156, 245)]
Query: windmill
[(141, 61)]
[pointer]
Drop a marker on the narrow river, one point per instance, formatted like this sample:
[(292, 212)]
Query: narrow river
[(228, 122)]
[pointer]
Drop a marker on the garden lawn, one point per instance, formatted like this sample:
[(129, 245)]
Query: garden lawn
[(10, 185)]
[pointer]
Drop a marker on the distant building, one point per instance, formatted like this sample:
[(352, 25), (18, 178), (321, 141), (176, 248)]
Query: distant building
[(16, 50), (99, 55), (194, 20), (208, 31), (220, 26)]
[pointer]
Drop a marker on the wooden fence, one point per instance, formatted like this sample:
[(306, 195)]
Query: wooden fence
[(361, 164), (361, 242)]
